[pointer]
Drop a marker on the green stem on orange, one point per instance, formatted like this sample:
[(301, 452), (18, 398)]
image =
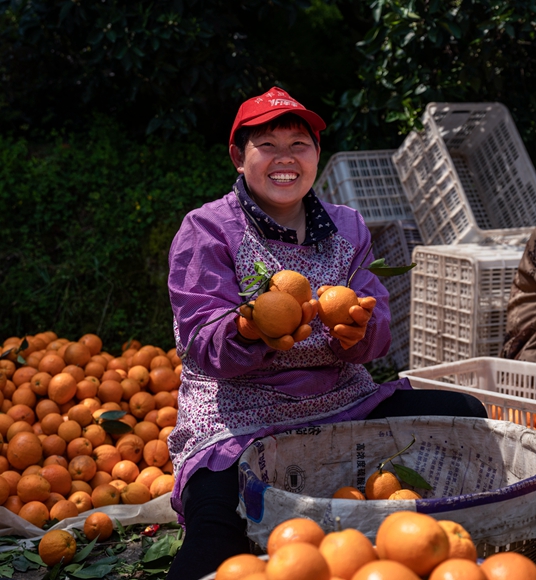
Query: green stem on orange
[(382, 464), (359, 267)]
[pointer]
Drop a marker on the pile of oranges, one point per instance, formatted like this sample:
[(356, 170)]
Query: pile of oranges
[(409, 546), (381, 484), (57, 460)]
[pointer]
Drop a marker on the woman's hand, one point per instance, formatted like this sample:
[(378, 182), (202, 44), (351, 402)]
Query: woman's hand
[(247, 329), (350, 334)]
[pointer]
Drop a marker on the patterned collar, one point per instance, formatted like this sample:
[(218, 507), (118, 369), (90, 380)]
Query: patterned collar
[(319, 225)]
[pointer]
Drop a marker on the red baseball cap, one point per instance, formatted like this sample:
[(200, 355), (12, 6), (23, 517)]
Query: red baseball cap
[(272, 104)]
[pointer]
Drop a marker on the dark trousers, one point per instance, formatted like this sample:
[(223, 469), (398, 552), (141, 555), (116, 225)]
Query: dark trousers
[(215, 532)]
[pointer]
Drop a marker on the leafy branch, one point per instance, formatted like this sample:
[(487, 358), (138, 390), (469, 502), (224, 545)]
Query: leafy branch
[(380, 268), (406, 474)]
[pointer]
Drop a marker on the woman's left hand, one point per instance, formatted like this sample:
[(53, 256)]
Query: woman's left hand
[(350, 334)]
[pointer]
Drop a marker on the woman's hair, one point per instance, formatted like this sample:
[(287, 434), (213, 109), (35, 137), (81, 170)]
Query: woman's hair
[(286, 121)]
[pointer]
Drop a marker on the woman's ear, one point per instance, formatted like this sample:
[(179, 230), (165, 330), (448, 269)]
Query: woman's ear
[(237, 158)]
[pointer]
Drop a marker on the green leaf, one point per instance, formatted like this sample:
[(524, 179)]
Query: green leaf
[(6, 571), (111, 415), (85, 552), (116, 427), (261, 269), (385, 270), (93, 571), (159, 549), (410, 476), (33, 557)]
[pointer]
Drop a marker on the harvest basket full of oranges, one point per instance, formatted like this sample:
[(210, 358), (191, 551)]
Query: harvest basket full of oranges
[(479, 473)]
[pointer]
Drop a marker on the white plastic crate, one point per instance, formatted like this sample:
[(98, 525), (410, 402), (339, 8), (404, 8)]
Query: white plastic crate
[(395, 242), (467, 175), (367, 181), (459, 295), (506, 387)]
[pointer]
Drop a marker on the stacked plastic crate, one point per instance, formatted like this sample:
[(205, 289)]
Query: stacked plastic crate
[(368, 181), (459, 199), (471, 187)]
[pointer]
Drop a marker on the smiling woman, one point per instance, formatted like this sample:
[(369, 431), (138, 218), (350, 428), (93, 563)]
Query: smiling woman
[(238, 384)]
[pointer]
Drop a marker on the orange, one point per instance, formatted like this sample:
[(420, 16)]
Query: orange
[(81, 414), (105, 494), (93, 342), (161, 485), (143, 358), (12, 477), (119, 484), (64, 508), (82, 500), (130, 387), (57, 546), (348, 492), (140, 374), (58, 477), (7, 367), (164, 433), (130, 447), (100, 478), (380, 485), (82, 467), (458, 569), (135, 493), (166, 417), (277, 314), (56, 460), (5, 422), (92, 403), (5, 489), (118, 364), (131, 343), (346, 551), (23, 375), (35, 512), (98, 525), (51, 363), (51, 422), (110, 391), (33, 487), (148, 475), (79, 446), (163, 379), (77, 353), (165, 399), (24, 397), (4, 463), (77, 372), (87, 388), (53, 445), (106, 456), (79, 485), (13, 503), (240, 566), (297, 561), (53, 499), (31, 469), (44, 407), (147, 430), (126, 470), (141, 403), (156, 452), (460, 541), (405, 494), (20, 412), (292, 282), (385, 570), (508, 566), (24, 449), (62, 388), (94, 369), (69, 430), (17, 427), (151, 416), (160, 361), (95, 434), (294, 530), (413, 539), (334, 306)]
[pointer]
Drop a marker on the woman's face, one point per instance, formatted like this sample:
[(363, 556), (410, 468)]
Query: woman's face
[(279, 166)]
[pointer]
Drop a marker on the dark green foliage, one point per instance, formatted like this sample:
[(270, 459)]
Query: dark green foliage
[(86, 225)]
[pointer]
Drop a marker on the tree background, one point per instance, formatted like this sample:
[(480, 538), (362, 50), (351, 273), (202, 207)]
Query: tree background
[(114, 119)]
